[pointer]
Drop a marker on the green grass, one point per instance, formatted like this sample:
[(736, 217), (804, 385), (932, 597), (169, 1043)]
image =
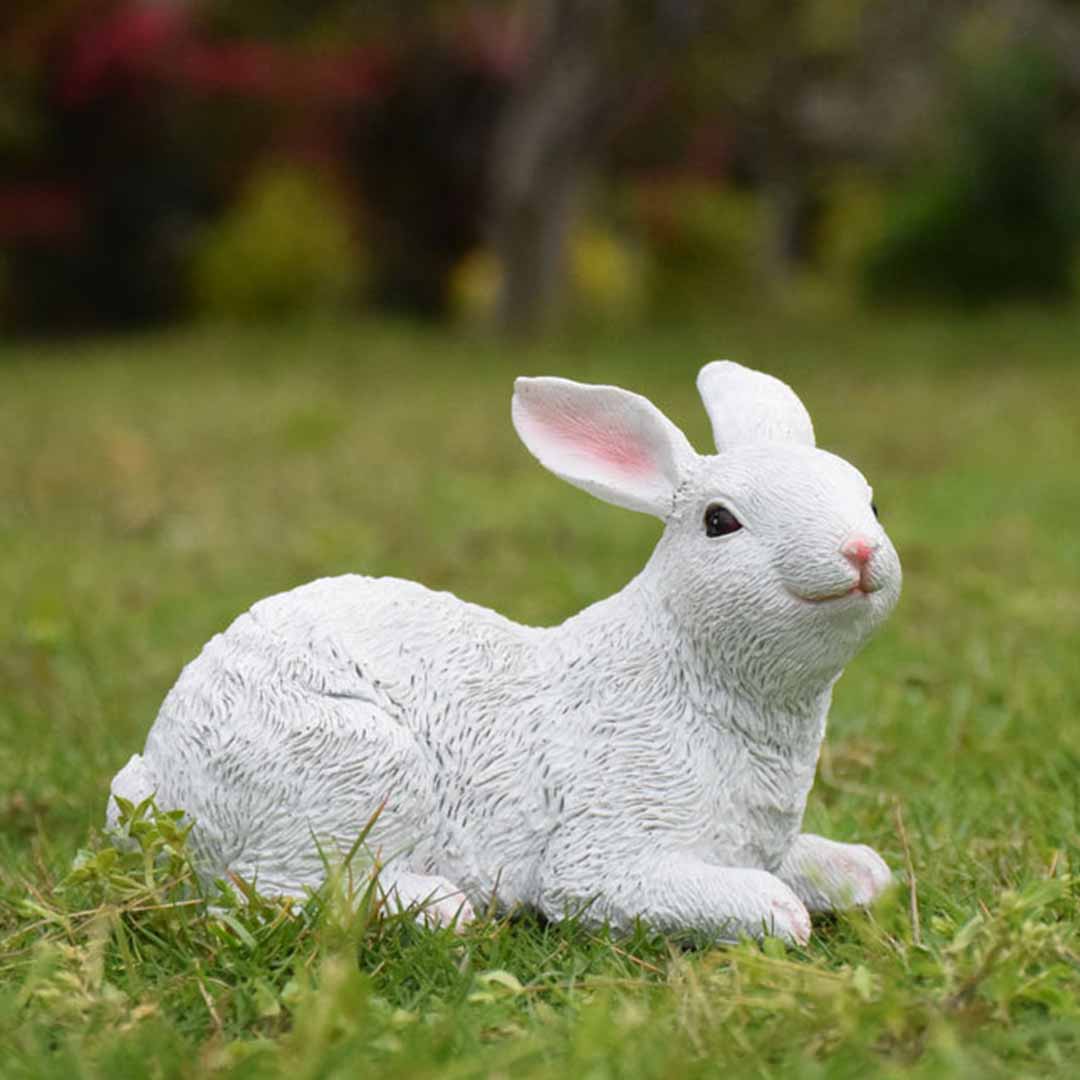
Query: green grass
[(152, 488)]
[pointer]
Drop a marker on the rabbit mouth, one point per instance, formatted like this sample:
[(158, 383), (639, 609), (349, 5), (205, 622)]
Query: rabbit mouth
[(859, 589)]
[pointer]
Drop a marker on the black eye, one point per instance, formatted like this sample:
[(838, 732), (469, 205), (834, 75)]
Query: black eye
[(873, 506), (719, 521)]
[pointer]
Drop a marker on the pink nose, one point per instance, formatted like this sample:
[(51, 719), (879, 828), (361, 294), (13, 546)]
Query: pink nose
[(857, 549)]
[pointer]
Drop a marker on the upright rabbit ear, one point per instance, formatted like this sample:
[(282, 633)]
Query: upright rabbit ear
[(614, 444), (747, 406)]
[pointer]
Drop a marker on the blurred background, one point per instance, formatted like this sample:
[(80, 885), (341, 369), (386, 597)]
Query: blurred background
[(530, 163), (268, 268)]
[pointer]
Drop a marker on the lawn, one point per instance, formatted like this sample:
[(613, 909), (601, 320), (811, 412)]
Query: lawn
[(151, 488)]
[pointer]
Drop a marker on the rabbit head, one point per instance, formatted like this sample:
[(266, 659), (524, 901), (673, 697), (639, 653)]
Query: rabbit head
[(772, 562)]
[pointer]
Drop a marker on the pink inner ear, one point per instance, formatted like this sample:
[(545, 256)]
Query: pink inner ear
[(619, 448)]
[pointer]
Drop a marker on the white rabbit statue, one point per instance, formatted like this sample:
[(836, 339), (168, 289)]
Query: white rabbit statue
[(650, 757)]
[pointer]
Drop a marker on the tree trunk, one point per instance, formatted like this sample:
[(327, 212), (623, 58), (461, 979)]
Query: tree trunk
[(547, 144)]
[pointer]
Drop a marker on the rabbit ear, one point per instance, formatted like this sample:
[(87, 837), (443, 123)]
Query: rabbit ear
[(747, 406), (614, 444)]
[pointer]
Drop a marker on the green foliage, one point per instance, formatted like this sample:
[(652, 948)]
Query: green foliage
[(473, 287), (702, 242), (606, 280), (284, 249), (278, 19), (997, 217), (851, 223), (606, 277), (146, 504)]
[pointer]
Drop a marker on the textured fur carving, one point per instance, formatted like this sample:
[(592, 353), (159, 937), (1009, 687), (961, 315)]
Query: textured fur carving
[(649, 757)]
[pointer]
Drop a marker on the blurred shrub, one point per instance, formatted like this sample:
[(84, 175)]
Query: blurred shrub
[(474, 286), (703, 242), (997, 218), (284, 249), (5, 288), (605, 280), (606, 276), (851, 224)]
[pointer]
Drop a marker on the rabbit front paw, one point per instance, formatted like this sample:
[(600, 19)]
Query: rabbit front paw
[(679, 895), (790, 920), (830, 876)]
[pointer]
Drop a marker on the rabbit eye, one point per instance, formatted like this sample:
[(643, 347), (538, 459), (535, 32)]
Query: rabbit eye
[(719, 521), (873, 506)]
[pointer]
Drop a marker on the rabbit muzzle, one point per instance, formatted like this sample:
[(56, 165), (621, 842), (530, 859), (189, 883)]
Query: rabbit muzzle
[(865, 571)]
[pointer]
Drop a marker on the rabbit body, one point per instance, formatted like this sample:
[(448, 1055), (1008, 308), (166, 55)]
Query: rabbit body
[(649, 757)]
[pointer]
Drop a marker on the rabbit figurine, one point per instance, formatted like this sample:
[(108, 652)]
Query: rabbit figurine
[(650, 757)]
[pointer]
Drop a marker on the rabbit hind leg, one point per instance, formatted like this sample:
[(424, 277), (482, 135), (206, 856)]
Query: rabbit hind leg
[(340, 783), (678, 894), (435, 900)]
